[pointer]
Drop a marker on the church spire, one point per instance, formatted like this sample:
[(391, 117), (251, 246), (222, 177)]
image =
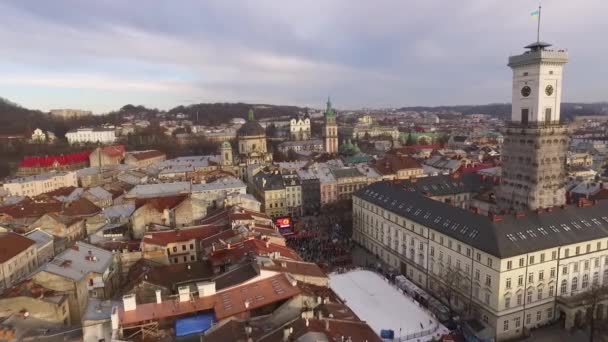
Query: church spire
[(250, 115)]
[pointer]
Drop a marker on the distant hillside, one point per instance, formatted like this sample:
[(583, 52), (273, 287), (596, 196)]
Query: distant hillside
[(503, 110)]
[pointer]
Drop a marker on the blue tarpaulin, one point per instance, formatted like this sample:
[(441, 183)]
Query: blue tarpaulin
[(192, 325)]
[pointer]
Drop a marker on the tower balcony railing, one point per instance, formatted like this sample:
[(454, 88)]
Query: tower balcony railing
[(534, 124)]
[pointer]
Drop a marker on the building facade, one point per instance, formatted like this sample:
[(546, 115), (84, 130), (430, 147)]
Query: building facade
[(39, 184), (99, 135), (17, 258), (299, 128)]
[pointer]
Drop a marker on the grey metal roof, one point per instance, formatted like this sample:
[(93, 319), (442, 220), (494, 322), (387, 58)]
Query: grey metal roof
[(347, 172), (77, 261), (443, 185), (509, 237)]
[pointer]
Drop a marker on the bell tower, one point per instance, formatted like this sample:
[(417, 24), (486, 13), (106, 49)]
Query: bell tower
[(535, 140), (330, 130)]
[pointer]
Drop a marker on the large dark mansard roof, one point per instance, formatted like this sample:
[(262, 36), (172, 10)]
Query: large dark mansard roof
[(510, 237)]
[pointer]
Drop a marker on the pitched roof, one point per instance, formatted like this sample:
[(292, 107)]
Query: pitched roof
[(62, 159), (331, 330), (294, 267), (161, 203), (226, 303), (142, 155), (170, 276), (80, 207), (507, 237), (251, 246), (390, 164), (113, 151), (30, 209), (164, 238), (11, 244), (78, 261)]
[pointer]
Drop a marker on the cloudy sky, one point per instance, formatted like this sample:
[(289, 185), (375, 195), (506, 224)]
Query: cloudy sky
[(100, 55)]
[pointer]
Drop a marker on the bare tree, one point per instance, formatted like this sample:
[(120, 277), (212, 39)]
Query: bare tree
[(450, 281), (590, 300)]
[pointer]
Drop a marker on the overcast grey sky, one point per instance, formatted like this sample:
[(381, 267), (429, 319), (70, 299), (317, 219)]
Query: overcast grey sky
[(100, 55)]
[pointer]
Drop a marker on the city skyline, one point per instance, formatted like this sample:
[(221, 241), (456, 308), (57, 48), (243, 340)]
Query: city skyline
[(378, 55)]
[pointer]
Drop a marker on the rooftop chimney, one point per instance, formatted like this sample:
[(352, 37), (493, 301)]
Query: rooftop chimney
[(184, 293), (246, 304), (287, 333), (158, 297), (206, 289), (114, 318), (129, 302)]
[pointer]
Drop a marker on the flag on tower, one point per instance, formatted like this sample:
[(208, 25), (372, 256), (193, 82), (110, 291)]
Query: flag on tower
[(535, 14)]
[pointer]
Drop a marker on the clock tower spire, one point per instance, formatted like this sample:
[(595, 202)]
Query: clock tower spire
[(536, 142)]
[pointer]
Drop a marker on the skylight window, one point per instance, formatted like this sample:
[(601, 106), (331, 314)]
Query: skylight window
[(531, 233), (554, 228), (511, 237), (427, 215), (542, 231), (464, 230), (473, 234), (417, 212), (596, 221), (455, 226), (586, 223), (446, 223), (566, 228), (605, 218), (437, 219), (521, 235), (576, 225)]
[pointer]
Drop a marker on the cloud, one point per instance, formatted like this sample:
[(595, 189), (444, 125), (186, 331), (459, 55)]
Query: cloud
[(364, 53)]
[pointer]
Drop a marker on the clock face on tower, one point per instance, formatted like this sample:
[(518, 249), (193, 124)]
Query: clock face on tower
[(525, 91), (549, 90)]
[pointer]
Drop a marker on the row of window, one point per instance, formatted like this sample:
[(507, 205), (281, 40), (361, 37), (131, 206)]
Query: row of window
[(539, 317)]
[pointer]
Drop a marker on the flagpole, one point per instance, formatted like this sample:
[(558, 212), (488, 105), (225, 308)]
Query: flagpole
[(538, 26)]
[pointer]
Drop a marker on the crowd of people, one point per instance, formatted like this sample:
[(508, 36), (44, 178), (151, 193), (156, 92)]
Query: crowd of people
[(325, 240)]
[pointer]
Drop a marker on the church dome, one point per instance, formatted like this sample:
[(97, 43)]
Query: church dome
[(251, 127), (226, 144)]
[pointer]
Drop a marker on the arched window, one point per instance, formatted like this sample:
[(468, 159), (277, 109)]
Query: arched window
[(563, 287), (574, 286)]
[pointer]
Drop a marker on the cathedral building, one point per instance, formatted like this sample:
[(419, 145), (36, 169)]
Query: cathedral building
[(330, 130), (251, 139), (533, 265), (299, 128)]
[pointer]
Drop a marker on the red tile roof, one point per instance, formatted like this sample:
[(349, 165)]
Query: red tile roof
[(295, 267), (29, 208), (142, 155), (478, 167), (226, 303), (391, 164), (11, 244), (114, 151), (80, 207), (166, 237), (251, 246), (62, 159)]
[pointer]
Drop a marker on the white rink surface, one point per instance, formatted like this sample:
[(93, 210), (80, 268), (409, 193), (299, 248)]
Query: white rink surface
[(383, 306)]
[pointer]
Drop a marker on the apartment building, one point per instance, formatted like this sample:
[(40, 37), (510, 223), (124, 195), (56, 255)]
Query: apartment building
[(95, 135), (35, 185), (514, 272), (17, 258)]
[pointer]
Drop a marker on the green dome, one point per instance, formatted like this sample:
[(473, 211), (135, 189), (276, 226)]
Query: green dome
[(226, 144)]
